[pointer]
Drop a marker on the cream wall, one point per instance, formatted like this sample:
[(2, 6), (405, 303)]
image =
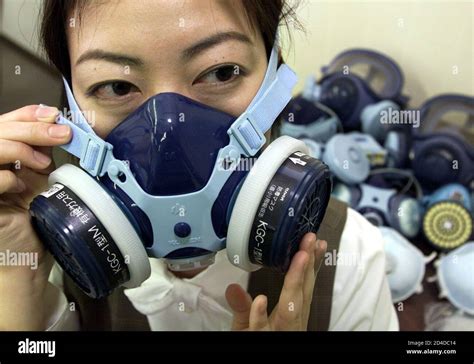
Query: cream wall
[(19, 20), (432, 41)]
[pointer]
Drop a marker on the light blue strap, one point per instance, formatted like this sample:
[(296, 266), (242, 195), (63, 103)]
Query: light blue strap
[(270, 100), (76, 113), (94, 153)]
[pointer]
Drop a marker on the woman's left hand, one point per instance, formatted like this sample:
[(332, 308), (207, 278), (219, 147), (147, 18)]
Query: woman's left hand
[(293, 308)]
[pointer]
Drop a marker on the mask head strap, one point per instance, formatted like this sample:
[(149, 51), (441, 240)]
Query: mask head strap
[(94, 153), (270, 100)]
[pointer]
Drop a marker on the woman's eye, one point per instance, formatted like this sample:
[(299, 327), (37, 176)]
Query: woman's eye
[(113, 90), (222, 74)]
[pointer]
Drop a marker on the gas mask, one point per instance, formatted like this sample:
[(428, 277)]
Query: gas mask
[(307, 118), (383, 202), (445, 142), (346, 159), (180, 180), (441, 151), (351, 156), (363, 88)]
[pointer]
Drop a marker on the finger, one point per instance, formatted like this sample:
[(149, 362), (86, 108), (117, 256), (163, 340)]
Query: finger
[(258, 314), (49, 152), (36, 182), (321, 249), (10, 183), (22, 154), (309, 241), (290, 303), (32, 113), (240, 302), (35, 133)]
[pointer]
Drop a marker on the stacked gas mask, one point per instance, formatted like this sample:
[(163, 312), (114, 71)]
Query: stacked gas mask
[(409, 172)]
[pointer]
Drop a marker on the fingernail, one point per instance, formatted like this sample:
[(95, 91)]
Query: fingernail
[(44, 112), (58, 131), (263, 307), (42, 158), (20, 185), (323, 244), (317, 244)]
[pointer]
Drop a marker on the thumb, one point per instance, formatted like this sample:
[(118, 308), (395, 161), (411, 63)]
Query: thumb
[(240, 302)]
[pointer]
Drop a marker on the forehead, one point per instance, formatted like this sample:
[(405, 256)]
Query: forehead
[(137, 25)]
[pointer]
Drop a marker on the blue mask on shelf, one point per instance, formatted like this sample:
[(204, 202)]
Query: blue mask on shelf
[(305, 118), (383, 207), (441, 151), (180, 180), (384, 200), (351, 156), (361, 99)]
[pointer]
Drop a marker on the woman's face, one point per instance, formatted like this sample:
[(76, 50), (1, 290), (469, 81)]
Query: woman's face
[(124, 52)]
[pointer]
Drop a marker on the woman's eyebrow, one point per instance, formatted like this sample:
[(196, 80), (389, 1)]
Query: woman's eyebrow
[(212, 41), (98, 54), (187, 54)]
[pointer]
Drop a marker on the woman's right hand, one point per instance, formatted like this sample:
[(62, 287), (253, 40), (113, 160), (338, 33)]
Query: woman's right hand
[(27, 136)]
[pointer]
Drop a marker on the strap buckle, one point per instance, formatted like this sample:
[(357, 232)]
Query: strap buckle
[(247, 133), (93, 154)]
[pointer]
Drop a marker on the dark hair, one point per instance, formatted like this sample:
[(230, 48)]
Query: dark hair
[(263, 15)]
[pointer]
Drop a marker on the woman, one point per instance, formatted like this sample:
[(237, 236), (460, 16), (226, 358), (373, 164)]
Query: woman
[(115, 55)]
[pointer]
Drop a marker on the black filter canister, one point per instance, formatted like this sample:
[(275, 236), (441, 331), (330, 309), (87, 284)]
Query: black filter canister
[(78, 240), (294, 203)]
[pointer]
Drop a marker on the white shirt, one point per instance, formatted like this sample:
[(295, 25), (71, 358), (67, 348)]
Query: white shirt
[(361, 296)]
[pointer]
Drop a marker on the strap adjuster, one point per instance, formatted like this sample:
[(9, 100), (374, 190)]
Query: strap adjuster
[(248, 134), (93, 154)]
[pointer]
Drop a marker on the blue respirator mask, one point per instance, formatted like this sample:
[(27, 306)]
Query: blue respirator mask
[(180, 180), (442, 150), (383, 202), (351, 156), (363, 88), (306, 118)]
